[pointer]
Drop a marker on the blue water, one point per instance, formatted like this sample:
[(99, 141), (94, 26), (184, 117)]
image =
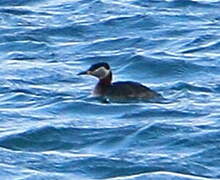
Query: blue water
[(52, 128)]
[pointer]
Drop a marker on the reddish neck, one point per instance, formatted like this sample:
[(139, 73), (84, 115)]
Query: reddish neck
[(107, 80)]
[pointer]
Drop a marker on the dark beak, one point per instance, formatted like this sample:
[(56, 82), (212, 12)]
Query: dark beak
[(83, 73)]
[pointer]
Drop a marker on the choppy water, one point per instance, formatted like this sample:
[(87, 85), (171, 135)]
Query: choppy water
[(51, 127)]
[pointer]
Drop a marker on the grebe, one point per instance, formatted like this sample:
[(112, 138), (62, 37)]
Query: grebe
[(121, 90)]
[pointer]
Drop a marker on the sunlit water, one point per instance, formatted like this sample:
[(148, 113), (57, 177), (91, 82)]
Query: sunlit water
[(52, 128)]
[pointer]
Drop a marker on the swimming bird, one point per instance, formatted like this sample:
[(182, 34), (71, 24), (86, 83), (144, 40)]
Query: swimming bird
[(119, 90)]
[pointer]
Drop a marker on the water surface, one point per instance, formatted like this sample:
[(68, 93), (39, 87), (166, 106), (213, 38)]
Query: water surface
[(52, 128)]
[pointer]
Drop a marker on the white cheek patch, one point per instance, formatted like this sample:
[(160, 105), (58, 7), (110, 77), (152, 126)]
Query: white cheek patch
[(101, 72)]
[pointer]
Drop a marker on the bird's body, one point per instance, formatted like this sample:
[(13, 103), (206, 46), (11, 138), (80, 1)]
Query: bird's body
[(126, 89), (117, 90)]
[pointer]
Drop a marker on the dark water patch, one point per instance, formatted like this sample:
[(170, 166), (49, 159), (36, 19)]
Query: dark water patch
[(17, 11), (20, 76), (201, 40), (208, 47), (97, 168), (19, 100), (19, 2), (167, 129), (121, 43), (8, 31), (136, 21), (21, 37), (89, 107), (51, 138), (112, 58), (25, 87), (22, 46), (190, 3), (109, 172), (162, 114), (19, 55), (217, 88), (111, 27), (73, 30), (158, 135), (181, 143), (65, 7), (176, 20), (174, 33), (33, 165), (210, 154), (190, 87), (78, 7), (149, 3), (176, 4), (9, 116), (134, 169), (90, 7), (165, 69)]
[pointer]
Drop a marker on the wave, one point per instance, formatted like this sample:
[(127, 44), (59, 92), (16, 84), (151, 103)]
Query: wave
[(52, 138), (162, 175)]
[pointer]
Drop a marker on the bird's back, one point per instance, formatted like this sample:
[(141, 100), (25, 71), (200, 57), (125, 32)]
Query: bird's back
[(129, 89)]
